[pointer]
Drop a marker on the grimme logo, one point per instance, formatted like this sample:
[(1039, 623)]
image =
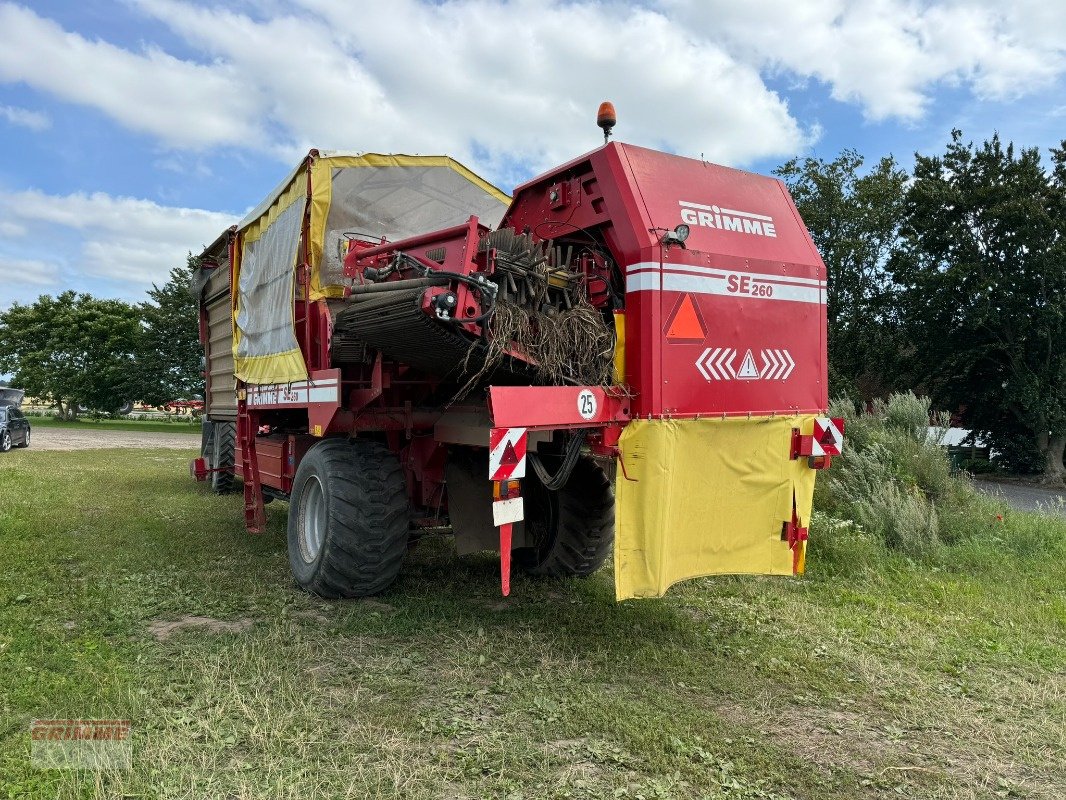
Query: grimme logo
[(727, 219), (80, 743)]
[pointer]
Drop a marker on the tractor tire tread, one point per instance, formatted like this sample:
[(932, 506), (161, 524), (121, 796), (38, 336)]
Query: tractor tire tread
[(585, 527), (223, 454), (369, 519)]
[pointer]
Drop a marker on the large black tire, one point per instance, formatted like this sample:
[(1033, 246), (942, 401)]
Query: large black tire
[(349, 519), (207, 438), (5, 441), (223, 454), (572, 529)]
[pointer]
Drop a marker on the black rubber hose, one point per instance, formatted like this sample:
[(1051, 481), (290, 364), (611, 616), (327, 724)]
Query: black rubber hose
[(573, 451)]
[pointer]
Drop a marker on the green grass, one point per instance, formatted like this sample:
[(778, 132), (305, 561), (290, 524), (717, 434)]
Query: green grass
[(876, 675), (141, 426)]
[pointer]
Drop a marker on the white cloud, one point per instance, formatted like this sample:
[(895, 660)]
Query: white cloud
[(512, 85), (524, 80), (888, 56), (180, 102), (118, 238), (24, 118), (27, 271), (490, 84), (11, 230)]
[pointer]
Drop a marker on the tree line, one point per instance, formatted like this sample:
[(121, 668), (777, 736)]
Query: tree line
[(949, 281), (78, 350)]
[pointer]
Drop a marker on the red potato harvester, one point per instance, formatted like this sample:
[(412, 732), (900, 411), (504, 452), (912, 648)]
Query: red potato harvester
[(630, 352)]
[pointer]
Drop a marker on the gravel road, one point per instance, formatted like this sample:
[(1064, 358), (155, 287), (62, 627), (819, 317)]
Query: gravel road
[(66, 439), (1026, 497)]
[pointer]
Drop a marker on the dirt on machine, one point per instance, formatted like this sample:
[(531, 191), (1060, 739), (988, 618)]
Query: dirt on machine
[(627, 357)]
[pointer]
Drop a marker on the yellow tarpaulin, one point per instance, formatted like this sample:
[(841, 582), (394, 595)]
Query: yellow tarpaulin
[(707, 497)]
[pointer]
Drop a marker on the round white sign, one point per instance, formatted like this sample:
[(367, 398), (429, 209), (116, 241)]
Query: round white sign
[(586, 404)]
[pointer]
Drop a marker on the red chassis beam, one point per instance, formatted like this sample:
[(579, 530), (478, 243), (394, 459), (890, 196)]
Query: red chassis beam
[(548, 407)]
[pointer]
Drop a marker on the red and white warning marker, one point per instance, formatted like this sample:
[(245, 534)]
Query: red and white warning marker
[(829, 435), (507, 463), (827, 439), (507, 454)]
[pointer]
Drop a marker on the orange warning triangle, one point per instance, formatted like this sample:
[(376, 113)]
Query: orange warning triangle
[(686, 323), (509, 455)]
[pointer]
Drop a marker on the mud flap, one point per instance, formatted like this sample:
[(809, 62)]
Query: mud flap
[(708, 497), (470, 503)]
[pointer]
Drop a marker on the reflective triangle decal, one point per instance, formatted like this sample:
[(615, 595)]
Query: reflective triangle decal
[(509, 455), (686, 325), (748, 370)]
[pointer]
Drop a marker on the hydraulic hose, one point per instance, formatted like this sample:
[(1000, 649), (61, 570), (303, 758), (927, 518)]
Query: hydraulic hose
[(573, 451)]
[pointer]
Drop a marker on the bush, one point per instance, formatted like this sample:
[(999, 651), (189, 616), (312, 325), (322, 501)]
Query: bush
[(906, 414), (978, 466), (892, 480)]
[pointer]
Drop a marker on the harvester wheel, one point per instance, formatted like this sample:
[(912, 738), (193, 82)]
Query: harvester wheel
[(349, 519), (207, 434), (573, 528), (223, 454)]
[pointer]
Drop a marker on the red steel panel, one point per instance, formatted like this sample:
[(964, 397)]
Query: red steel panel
[(753, 278), (749, 274), (555, 406)]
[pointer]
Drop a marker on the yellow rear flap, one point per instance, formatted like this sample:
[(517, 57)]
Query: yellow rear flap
[(707, 497)]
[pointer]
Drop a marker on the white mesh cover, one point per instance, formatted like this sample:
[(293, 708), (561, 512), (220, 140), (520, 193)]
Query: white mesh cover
[(265, 286)]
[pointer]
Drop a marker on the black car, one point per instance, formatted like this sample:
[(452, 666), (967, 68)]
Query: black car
[(14, 429)]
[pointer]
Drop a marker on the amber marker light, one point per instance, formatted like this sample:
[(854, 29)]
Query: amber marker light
[(606, 118)]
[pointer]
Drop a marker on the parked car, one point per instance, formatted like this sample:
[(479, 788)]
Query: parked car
[(14, 429)]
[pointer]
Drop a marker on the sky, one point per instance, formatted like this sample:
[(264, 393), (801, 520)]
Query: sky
[(134, 131)]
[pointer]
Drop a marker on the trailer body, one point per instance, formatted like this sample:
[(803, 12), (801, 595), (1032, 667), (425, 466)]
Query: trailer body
[(633, 314)]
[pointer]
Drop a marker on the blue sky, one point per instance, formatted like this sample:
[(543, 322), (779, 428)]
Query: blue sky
[(134, 131)]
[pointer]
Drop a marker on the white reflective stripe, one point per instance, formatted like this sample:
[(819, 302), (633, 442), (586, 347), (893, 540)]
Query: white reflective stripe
[(676, 282), (297, 393), (641, 265), (299, 397), (762, 277), (643, 282), (274, 387)]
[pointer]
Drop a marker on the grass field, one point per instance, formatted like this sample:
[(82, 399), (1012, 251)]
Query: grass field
[(179, 425), (874, 676)]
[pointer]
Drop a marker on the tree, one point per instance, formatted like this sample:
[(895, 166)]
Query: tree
[(982, 272), (853, 219), (169, 352), (71, 349)]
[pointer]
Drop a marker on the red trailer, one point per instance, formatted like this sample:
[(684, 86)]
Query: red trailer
[(630, 350)]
